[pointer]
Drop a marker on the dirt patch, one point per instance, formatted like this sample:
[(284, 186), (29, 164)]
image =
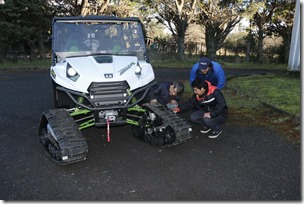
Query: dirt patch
[(265, 117)]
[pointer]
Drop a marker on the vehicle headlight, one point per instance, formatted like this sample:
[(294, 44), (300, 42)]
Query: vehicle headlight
[(71, 73), (138, 70)]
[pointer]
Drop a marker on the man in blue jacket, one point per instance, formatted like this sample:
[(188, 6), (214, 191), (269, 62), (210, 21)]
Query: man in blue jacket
[(208, 70)]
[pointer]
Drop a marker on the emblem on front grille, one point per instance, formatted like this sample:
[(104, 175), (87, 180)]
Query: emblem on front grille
[(108, 76)]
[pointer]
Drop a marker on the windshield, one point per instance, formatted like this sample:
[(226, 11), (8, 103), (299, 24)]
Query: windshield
[(78, 38)]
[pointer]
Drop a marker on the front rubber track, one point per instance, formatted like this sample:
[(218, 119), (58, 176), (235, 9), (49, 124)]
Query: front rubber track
[(64, 143)]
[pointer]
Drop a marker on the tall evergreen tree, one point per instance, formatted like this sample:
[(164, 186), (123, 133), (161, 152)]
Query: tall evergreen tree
[(219, 18), (282, 24), (261, 20), (176, 15), (24, 25)]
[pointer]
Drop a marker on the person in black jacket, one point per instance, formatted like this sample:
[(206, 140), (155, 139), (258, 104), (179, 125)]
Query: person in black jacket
[(165, 93), (213, 108)]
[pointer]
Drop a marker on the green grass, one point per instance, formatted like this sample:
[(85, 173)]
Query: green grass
[(21, 65), (169, 63), (189, 62), (251, 65), (282, 92), (156, 63)]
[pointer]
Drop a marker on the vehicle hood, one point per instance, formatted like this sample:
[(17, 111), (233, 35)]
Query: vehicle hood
[(107, 68)]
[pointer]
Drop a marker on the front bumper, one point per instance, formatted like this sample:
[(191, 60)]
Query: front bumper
[(103, 96)]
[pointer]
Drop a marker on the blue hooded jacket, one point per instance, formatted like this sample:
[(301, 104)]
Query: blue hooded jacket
[(216, 75)]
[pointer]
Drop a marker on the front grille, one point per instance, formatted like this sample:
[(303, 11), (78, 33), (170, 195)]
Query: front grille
[(108, 94)]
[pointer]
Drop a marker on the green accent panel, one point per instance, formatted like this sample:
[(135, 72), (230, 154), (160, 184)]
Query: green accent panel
[(53, 73), (80, 99), (86, 124), (133, 100), (79, 112), (137, 108), (132, 122)]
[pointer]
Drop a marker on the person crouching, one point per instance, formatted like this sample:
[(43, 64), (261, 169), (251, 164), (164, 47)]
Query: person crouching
[(213, 108)]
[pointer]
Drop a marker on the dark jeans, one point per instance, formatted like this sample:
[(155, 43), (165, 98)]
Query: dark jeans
[(213, 123)]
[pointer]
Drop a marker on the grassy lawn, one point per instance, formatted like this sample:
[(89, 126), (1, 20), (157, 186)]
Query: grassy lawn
[(282, 92), (169, 63), (35, 64)]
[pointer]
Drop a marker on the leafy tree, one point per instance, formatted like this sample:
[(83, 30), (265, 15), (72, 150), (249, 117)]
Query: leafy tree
[(24, 25), (176, 15), (38, 19), (235, 43), (78, 7), (261, 21), (120, 8), (126, 8), (282, 23), (219, 18), (93, 7)]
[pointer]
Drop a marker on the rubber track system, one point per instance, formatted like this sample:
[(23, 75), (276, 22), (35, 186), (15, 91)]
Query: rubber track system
[(181, 128), (69, 146)]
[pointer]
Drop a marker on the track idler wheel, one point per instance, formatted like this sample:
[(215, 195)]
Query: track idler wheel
[(169, 135), (160, 141), (146, 138), (138, 132), (153, 139)]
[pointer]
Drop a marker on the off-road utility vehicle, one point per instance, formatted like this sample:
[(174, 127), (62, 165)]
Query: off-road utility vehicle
[(101, 74)]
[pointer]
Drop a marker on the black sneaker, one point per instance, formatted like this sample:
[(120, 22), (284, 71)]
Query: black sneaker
[(215, 133), (205, 130)]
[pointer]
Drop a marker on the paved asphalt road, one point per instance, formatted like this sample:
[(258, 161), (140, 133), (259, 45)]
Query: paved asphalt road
[(245, 163)]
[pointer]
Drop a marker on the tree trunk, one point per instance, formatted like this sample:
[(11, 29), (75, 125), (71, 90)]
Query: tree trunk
[(182, 25), (41, 47), (286, 44), (2, 54), (180, 47), (210, 44), (32, 51), (248, 51), (260, 46)]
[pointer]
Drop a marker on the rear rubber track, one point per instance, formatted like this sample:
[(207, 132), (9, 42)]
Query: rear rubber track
[(181, 127)]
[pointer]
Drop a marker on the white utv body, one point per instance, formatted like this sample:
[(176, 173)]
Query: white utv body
[(101, 59), (101, 74)]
